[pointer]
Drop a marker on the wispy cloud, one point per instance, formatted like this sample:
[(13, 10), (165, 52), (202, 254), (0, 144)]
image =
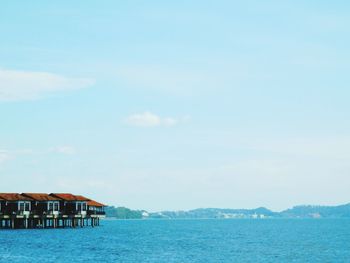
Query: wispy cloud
[(4, 156), (149, 119), (189, 81), (160, 78), (65, 149), (7, 155), (31, 85)]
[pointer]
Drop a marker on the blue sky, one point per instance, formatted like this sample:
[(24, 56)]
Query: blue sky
[(177, 105)]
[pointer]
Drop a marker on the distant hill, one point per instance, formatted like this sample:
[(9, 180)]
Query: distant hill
[(307, 211)]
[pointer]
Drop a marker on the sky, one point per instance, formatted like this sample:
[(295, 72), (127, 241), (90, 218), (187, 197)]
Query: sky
[(175, 105)]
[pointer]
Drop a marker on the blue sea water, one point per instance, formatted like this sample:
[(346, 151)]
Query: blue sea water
[(325, 240)]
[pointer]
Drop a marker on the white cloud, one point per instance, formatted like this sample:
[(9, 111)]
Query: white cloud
[(29, 85), (144, 119), (170, 121), (4, 156), (65, 149), (148, 119)]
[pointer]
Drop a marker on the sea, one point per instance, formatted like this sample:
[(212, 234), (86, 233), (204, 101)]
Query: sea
[(232, 240)]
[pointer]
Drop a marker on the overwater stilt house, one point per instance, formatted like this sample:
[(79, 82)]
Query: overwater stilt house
[(39, 210), (95, 208), (72, 204)]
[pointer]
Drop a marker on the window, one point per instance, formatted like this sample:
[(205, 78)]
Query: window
[(79, 206), (84, 206), (56, 206), (50, 207), (24, 206), (21, 206)]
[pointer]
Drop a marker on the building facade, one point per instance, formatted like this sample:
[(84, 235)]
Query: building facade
[(40, 210)]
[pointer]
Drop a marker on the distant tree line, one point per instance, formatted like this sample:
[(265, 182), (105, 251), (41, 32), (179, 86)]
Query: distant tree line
[(123, 213)]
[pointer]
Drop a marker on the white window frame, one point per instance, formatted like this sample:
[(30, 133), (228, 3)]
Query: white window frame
[(53, 206), (83, 206), (24, 206), (58, 206)]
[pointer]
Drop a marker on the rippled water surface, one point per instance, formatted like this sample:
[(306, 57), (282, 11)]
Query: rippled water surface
[(183, 241)]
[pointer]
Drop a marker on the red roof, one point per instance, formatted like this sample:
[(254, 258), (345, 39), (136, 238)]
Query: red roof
[(41, 197), (82, 198), (70, 197), (94, 203), (14, 197), (47, 197)]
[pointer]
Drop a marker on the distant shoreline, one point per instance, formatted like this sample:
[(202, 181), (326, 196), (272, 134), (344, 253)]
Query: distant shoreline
[(222, 219), (297, 212)]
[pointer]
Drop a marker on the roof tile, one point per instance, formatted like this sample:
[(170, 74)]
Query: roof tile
[(41, 197), (69, 197), (14, 197), (94, 203)]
